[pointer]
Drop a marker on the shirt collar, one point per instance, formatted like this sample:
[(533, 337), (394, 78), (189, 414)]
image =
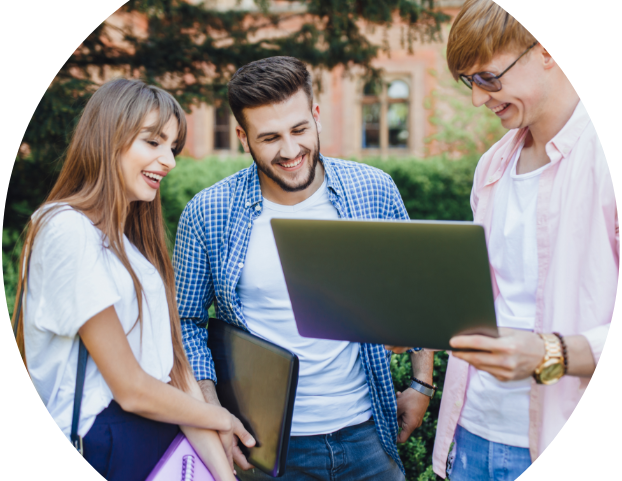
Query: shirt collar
[(560, 146), (331, 175), (254, 189), (557, 148)]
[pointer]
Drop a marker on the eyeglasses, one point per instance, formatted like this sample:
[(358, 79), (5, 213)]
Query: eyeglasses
[(489, 81)]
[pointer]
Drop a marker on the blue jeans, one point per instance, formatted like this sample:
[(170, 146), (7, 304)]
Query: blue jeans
[(353, 453), (477, 459)]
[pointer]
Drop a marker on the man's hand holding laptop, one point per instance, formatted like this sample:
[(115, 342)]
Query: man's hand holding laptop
[(515, 354)]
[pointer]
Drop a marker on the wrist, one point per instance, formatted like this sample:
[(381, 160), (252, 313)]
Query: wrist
[(423, 387), (551, 368)]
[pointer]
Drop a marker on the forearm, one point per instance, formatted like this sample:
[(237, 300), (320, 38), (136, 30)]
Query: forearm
[(208, 390), (156, 400), (208, 446), (423, 365), (580, 359)]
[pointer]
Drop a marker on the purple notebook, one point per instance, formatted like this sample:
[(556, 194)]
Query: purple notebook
[(180, 462)]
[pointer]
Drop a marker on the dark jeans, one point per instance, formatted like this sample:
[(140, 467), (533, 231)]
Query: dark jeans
[(350, 454), (125, 447)]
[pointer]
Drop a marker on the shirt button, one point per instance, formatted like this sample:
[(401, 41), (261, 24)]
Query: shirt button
[(240, 265), (247, 204), (257, 207), (250, 225)]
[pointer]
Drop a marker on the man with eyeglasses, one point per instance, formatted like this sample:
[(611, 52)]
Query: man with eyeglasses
[(545, 198)]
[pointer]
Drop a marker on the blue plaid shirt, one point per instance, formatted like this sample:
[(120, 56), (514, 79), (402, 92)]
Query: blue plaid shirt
[(210, 249)]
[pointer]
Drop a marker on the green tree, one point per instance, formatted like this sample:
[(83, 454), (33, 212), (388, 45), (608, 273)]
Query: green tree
[(192, 49)]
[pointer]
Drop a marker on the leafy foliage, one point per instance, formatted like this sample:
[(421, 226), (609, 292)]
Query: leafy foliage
[(188, 179), (191, 49), (461, 129), (437, 188)]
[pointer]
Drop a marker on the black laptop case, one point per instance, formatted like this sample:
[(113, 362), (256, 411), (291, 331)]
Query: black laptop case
[(256, 381)]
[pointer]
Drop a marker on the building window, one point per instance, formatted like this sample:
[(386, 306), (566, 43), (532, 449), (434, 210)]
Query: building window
[(371, 116), (397, 114), (385, 116), (222, 116)]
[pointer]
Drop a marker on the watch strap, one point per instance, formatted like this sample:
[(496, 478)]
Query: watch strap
[(423, 387), (553, 354)]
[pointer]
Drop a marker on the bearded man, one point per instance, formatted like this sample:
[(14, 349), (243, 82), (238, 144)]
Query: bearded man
[(345, 423)]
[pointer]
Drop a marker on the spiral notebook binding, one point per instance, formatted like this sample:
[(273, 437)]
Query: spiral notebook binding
[(187, 468)]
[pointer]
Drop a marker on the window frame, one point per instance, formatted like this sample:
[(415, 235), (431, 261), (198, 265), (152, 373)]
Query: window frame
[(383, 99)]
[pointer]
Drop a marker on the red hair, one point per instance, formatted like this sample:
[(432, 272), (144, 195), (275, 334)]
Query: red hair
[(481, 30)]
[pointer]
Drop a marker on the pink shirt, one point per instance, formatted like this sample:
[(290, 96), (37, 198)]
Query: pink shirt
[(578, 258)]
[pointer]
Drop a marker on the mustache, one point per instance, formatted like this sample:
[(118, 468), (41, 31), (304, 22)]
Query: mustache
[(278, 158)]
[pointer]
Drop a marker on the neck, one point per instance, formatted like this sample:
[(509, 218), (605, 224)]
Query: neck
[(555, 114), (274, 193)]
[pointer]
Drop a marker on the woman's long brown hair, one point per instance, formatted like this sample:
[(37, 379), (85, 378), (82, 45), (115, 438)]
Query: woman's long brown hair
[(91, 182)]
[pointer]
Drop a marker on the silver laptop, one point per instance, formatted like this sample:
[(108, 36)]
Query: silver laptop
[(403, 283)]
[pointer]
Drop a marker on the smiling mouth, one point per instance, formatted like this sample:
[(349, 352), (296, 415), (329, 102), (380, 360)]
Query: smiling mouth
[(153, 176), (500, 108), (292, 164)]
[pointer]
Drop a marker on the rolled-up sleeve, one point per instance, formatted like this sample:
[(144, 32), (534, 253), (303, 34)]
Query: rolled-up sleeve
[(195, 291), (596, 337)]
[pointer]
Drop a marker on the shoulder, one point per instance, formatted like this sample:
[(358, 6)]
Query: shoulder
[(65, 235), (219, 196), (64, 223), (358, 173)]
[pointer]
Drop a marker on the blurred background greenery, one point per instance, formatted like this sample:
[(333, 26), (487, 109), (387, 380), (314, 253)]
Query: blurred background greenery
[(179, 37)]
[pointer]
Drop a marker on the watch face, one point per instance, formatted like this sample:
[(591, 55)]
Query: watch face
[(552, 373)]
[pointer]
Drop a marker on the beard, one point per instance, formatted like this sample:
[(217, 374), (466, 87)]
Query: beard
[(270, 172)]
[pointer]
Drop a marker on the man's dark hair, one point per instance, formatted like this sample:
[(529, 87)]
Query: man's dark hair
[(268, 81)]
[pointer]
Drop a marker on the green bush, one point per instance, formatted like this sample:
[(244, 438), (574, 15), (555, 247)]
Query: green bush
[(436, 188), (188, 179)]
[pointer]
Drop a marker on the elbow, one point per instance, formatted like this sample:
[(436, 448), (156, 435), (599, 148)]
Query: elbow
[(132, 398)]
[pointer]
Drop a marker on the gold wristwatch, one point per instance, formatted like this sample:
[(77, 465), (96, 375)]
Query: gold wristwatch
[(552, 368)]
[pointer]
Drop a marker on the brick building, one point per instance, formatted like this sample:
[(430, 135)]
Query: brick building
[(357, 119)]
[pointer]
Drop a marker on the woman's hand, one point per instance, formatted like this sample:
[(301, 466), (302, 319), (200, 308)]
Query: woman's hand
[(229, 440)]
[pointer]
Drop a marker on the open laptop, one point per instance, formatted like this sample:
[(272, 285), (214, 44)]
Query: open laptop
[(402, 283)]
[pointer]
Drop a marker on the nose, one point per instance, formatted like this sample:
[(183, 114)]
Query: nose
[(167, 160), (289, 147), (479, 96)]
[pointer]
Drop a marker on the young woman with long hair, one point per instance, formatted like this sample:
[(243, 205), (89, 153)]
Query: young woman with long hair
[(95, 266)]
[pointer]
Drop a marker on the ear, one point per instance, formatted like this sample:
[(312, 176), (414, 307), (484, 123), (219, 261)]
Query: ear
[(548, 62), (239, 131), (315, 110)]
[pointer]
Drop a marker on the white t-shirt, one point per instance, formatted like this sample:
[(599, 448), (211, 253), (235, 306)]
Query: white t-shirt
[(332, 388), (72, 277), (495, 410)]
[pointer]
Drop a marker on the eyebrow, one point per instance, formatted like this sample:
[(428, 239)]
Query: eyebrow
[(268, 134), (153, 131)]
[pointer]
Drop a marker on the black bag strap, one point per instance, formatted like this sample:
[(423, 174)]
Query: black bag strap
[(83, 355), (76, 439)]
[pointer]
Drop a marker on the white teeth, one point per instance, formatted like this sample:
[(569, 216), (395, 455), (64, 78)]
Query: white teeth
[(292, 164), (153, 176), (499, 108)]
